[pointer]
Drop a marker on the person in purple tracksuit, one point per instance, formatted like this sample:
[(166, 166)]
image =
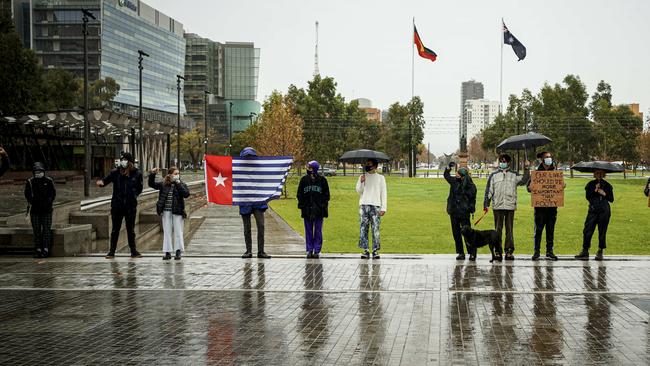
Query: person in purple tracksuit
[(313, 198)]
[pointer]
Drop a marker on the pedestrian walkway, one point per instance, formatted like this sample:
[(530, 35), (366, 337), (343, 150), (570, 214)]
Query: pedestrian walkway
[(222, 234), (423, 310)]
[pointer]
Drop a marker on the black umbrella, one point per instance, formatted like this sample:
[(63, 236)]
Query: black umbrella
[(591, 166), (361, 156), (524, 142)]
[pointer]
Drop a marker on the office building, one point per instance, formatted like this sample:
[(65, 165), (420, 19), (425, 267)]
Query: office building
[(121, 28), (479, 114), (229, 72), (372, 114), (469, 90)]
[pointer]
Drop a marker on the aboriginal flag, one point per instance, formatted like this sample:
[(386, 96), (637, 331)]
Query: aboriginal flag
[(422, 51)]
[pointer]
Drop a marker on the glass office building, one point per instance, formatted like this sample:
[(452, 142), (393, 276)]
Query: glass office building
[(122, 28), (242, 64)]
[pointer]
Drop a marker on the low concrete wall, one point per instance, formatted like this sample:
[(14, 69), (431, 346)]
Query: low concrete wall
[(66, 241)]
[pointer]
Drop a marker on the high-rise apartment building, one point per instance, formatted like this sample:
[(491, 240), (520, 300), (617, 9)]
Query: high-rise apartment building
[(479, 114), (468, 90)]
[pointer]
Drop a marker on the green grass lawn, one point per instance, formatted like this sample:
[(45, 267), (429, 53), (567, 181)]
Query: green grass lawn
[(417, 221)]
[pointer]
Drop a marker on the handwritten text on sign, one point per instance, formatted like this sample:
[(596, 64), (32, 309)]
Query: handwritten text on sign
[(547, 188)]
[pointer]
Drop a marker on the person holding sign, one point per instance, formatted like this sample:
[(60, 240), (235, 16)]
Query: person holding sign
[(501, 190), (600, 194), (460, 205), (545, 214)]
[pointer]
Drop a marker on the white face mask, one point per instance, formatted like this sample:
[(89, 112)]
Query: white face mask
[(39, 175), (548, 161), (176, 177), (124, 163)]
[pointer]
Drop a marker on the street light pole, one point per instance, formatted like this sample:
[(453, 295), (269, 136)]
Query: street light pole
[(230, 131), (87, 147), (141, 55), (205, 120), (178, 122)]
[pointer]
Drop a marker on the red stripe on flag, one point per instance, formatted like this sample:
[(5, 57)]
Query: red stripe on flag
[(218, 179)]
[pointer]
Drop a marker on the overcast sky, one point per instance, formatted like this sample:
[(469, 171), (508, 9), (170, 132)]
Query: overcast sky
[(366, 47)]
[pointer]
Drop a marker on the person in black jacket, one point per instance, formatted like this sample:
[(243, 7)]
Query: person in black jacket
[(599, 193), (647, 188), (313, 198), (40, 194), (127, 186), (4, 157), (171, 206), (544, 216), (461, 203)]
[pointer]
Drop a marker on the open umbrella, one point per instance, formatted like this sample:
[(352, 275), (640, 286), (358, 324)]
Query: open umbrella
[(524, 142), (362, 155), (591, 166)]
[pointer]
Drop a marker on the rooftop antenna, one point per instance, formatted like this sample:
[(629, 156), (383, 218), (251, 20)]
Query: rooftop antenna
[(316, 71)]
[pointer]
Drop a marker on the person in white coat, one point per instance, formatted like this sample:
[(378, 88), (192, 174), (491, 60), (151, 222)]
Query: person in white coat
[(371, 188)]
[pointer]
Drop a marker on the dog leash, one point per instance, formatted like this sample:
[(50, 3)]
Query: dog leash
[(480, 218)]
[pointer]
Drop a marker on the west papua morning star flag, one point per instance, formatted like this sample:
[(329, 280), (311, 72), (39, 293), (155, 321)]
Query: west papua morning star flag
[(508, 38), (245, 181)]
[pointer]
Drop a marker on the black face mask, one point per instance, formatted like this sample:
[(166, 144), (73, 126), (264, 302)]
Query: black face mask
[(368, 168)]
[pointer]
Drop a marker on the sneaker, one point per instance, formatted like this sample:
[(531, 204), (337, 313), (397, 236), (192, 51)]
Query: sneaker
[(315, 255), (535, 255), (550, 255), (177, 257), (375, 255), (247, 255), (472, 258), (110, 255), (460, 257), (365, 255), (167, 256), (46, 253), (38, 254), (583, 255), (510, 256), (599, 255), (310, 255), (263, 255), (136, 254)]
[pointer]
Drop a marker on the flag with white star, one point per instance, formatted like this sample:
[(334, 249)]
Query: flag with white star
[(510, 39), (245, 181)]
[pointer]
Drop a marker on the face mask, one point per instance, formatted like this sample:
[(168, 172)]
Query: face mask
[(548, 161), (39, 175), (124, 163), (367, 168), (503, 165), (311, 172), (176, 177)]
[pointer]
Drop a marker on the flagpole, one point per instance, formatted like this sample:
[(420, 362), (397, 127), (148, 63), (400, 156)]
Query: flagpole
[(411, 160), (501, 75)]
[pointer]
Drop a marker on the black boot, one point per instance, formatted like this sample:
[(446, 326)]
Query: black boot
[(167, 256), (599, 255), (247, 255), (178, 255), (460, 257), (550, 255), (263, 255), (135, 254), (583, 255), (535, 255)]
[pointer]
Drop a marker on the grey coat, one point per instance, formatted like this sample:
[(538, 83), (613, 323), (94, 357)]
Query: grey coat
[(501, 189)]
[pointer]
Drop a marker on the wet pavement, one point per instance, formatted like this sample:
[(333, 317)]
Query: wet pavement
[(338, 310)]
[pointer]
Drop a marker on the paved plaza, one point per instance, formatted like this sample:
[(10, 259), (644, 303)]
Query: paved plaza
[(338, 310)]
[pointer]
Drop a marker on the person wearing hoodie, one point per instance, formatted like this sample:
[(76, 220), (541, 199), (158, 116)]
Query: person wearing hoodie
[(461, 203), (4, 159), (313, 197), (40, 194), (501, 191), (257, 210), (545, 217), (171, 206), (600, 194), (373, 202), (127, 186)]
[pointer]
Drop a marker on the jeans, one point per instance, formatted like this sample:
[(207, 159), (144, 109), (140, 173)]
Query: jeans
[(129, 218), (42, 228), (259, 221), (369, 215), (172, 227), (314, 234)]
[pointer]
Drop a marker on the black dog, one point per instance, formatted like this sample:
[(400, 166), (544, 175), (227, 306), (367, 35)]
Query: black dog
[(480, 238)]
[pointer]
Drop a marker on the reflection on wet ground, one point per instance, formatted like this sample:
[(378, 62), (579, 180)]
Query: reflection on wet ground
[(429, 310)]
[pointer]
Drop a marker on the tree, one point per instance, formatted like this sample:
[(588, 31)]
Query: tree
[(20, 75), (477, 154), (192, 144), (102, 91), (643, 147), (279, 130), (61, 90)]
